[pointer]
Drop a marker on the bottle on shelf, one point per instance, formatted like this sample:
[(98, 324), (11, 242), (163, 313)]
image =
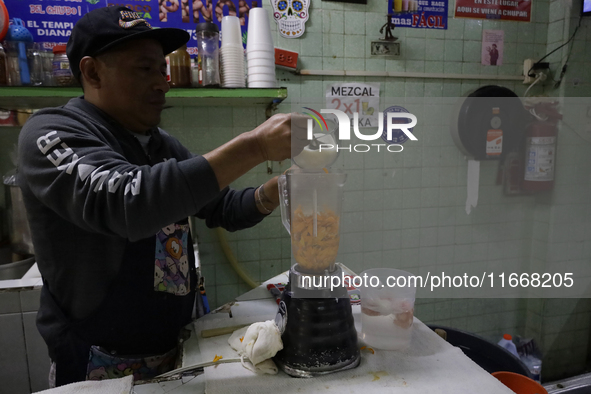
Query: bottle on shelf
[(178, 67)]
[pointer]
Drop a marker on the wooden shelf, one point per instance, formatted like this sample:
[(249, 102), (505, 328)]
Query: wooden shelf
[(17, 97)]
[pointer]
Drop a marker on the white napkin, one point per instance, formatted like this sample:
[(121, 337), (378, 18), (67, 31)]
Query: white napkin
[(110, 386), (258, 342)]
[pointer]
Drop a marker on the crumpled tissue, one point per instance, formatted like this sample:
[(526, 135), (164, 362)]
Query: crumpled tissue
[(258, 342)]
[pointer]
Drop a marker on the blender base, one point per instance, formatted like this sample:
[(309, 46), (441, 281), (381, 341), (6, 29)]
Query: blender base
[(318, 334), (310, 373)]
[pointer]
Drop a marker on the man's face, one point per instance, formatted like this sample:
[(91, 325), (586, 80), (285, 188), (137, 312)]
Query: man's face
[(133, 84)]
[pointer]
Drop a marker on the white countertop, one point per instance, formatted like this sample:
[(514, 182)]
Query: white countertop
[(431, 365)]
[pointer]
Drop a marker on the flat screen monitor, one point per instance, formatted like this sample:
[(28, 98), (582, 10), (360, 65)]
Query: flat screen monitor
[(586, 11)]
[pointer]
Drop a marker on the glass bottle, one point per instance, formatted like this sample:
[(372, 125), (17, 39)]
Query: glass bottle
[(179, 68)]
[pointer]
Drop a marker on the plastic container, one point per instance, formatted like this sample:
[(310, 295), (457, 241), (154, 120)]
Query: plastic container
[(534, 365), (208, 38), (178, 68), (387, 308), (62, 74), (507, 343), (520, 384)]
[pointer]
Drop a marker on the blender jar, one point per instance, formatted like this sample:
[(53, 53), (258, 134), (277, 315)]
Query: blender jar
[(311, 204)]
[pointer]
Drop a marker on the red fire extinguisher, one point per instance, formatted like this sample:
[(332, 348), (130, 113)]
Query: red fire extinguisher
[(540, 149)]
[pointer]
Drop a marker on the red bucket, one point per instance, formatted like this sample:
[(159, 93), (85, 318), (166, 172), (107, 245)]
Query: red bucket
[(520, 384)]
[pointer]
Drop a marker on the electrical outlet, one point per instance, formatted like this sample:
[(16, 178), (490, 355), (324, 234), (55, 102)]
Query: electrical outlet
[(527, 65), (286, 58), (540, 70)]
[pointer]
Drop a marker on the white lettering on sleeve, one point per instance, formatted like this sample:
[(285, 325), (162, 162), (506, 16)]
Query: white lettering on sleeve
[(59, 156), (44, 143), (100, 176), (69, 167)]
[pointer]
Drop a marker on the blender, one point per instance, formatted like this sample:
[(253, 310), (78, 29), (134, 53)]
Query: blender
[(316, 321)]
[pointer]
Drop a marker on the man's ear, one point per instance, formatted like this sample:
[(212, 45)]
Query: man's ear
[(89, 70)]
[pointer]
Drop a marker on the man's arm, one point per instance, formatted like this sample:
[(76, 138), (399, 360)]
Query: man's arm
[(271, 140), (74, 170)]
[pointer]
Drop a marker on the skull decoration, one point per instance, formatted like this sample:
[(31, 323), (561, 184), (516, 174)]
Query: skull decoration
[(291, 16)]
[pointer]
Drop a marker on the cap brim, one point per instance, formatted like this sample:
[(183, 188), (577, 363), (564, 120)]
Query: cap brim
[(170, 39)]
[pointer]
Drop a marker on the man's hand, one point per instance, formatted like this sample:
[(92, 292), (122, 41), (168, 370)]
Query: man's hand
[(282, 136)]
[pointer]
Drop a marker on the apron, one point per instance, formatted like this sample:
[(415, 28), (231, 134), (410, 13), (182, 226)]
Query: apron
[(140, 317)]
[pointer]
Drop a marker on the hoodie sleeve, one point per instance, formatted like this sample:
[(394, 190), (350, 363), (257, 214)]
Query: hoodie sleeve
[(77, 172), (232, 209)]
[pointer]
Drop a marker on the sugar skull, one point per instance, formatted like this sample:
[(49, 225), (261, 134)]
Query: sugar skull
[(291, 16)]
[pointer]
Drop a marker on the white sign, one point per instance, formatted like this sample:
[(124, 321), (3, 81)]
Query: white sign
[(361, 98), (492, 47)]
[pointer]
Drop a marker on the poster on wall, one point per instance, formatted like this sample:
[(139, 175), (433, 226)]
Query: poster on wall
[(351, 98), (492, 47), (507, 10), (419, 14), (52, 23)]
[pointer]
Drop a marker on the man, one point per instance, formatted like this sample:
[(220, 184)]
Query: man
[(494, 55), (108, 195)]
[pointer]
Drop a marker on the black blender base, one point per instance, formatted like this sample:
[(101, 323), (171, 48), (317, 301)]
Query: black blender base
[(319, 335), (310, 372)]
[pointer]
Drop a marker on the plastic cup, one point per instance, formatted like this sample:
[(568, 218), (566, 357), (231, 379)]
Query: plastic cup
[(387, 308), (261, 63), (259, 29), (261, 70), (262, 84), (261, 56), (266, 76), (232, 59), (260, 47), (231, 34), (261, 79)]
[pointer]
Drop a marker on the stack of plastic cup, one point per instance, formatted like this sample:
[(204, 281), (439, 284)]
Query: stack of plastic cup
[(260, 52), (231, 53)]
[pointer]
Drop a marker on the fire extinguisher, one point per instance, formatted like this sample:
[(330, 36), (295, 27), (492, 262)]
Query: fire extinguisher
[(540, 155)]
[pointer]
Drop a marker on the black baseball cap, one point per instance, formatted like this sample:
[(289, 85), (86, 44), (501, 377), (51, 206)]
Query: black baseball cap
[(107, 27)]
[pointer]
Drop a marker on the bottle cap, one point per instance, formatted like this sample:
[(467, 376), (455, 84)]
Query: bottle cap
[(507, 337), (59, 48), (207, 26)]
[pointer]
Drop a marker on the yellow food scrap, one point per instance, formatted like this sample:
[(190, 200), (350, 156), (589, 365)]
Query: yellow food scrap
[(217, 358), (315, 253), (241, 339), (325, 170), (368, 349)]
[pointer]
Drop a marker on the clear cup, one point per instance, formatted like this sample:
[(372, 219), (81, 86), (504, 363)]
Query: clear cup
[(387, 308), (231, 35), (259, 29)]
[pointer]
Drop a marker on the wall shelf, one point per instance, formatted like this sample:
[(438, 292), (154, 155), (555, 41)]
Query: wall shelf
[(18, 98)]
